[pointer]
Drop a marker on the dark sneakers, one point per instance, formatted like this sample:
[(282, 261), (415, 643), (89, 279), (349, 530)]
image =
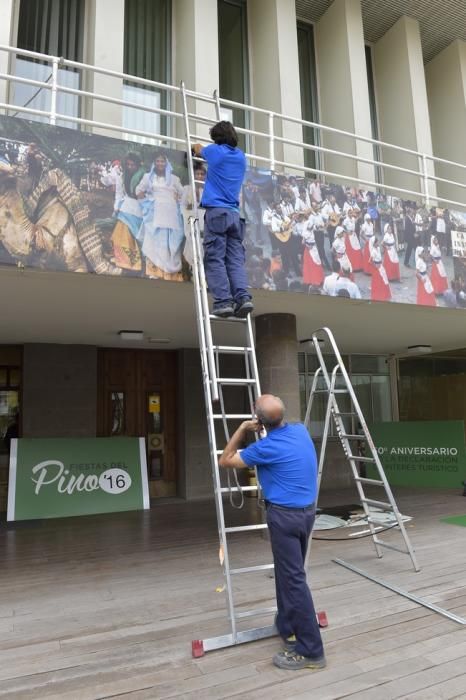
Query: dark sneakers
[(224, 311), (291, 661), (244, 308)]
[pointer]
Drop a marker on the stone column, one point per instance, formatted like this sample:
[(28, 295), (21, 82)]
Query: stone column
[(105, 20), (343, 88), (274, 70), (277, 358), (402, 102), (446, 91), (6, 28)]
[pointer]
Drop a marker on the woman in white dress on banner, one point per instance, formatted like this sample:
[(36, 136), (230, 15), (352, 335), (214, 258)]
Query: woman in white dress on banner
[(391, 261), (380, 286), (367, 234), (353, 246), (425, 291), (438, 274), (339, 250), (313, 271), (162, 232)]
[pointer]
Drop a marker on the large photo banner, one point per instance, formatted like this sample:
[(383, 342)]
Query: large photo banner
[(57, 478), (75, 201)]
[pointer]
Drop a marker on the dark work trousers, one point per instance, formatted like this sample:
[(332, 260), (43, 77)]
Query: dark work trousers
[(319, 235), (225, 257), (289, 534)]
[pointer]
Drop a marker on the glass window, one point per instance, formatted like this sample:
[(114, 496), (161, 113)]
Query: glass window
[(147, 46), (233, 57), (308, 86), (373, 108), (55, 28), (369, 364), (118, 413)]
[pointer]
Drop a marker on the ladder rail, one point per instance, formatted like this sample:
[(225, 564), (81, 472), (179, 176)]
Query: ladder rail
[(333, 411)]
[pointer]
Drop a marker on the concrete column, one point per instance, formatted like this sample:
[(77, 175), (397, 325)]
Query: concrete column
[(277, 359), (59, 390), (195, 32), (343, 88), (105, 20), (6, 37), (274, 69), (446, 92), (402, 102)]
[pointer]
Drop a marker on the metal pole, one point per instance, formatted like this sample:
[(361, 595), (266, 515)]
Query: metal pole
[(271, 141), (53, 98), (426, 179)]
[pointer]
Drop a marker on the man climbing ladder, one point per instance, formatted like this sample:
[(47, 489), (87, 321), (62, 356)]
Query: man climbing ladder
[(224, 255)]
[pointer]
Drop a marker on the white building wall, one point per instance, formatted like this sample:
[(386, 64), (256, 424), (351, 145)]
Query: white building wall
[(343, 87), (6, 37), (402, 103), (446, 91)]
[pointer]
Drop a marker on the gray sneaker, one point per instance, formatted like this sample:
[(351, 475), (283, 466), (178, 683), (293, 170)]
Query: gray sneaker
[(291, 661), (244, 308), (224, 311)]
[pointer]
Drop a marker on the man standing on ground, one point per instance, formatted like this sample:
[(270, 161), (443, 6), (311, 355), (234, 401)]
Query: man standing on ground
[(224, 253), (287, 469)]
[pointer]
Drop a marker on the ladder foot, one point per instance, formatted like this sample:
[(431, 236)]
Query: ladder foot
[(197, 647), (322, 619)]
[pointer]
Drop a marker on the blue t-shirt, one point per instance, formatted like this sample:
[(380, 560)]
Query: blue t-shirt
[(287, 465), (225, 175)]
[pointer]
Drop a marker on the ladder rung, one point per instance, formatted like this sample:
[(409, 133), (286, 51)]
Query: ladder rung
[(257, 611), (250, 569), (344, 413), (390, 546), (352, 437), (365, 480), (235, 382), (361, 459), (378, 504), (327, 391), (235, 489), (245, 528), (232, 349), (232, 416), (228, 319)]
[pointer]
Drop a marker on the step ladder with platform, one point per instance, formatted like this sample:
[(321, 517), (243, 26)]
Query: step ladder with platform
[(222, 421), (331, 380)]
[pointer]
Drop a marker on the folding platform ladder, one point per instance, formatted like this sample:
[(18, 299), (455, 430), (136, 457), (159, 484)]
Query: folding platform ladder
[(331, 380), (216, 387)]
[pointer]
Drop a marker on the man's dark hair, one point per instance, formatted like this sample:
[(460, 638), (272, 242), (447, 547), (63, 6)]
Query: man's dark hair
[(224, 133), (344, 293), (134, 157)]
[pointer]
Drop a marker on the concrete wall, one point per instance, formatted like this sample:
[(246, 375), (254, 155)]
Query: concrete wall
[(402, 102), (343, 87), (59, 396), (446, 92), (274, 71)]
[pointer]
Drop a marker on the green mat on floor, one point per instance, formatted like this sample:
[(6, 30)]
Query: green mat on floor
[(456, 520)]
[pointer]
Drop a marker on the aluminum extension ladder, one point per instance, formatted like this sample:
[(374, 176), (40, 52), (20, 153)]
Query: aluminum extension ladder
[(335, 381), (216, 385)]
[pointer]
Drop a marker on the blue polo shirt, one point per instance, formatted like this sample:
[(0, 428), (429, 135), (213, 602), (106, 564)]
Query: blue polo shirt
[(287, 465), (225, 175)]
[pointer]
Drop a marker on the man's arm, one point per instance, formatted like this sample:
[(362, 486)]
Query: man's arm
[(230, 457)]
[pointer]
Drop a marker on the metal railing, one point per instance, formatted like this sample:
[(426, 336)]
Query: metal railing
[(266, 144)]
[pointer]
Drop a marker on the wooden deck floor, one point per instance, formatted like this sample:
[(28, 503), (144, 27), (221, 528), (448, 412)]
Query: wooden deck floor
[(105, 607)]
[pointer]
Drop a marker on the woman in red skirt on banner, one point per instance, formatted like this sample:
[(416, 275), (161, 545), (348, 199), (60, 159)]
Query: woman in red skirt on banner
[(339, 250), (438, 274), (425, 291), (380, 286), (367, 234), (313, 271), (391, 262), (353, 246)]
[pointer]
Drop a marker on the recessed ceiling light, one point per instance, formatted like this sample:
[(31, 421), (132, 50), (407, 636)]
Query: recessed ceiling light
[(418, 349), (131, 335)]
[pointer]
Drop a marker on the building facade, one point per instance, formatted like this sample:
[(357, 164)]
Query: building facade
[(350, 104)]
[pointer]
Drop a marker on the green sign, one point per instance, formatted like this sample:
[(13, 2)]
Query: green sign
[(423, 453), (55, 478)]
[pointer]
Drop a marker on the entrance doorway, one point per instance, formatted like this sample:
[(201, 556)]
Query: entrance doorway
[(137, 398)]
